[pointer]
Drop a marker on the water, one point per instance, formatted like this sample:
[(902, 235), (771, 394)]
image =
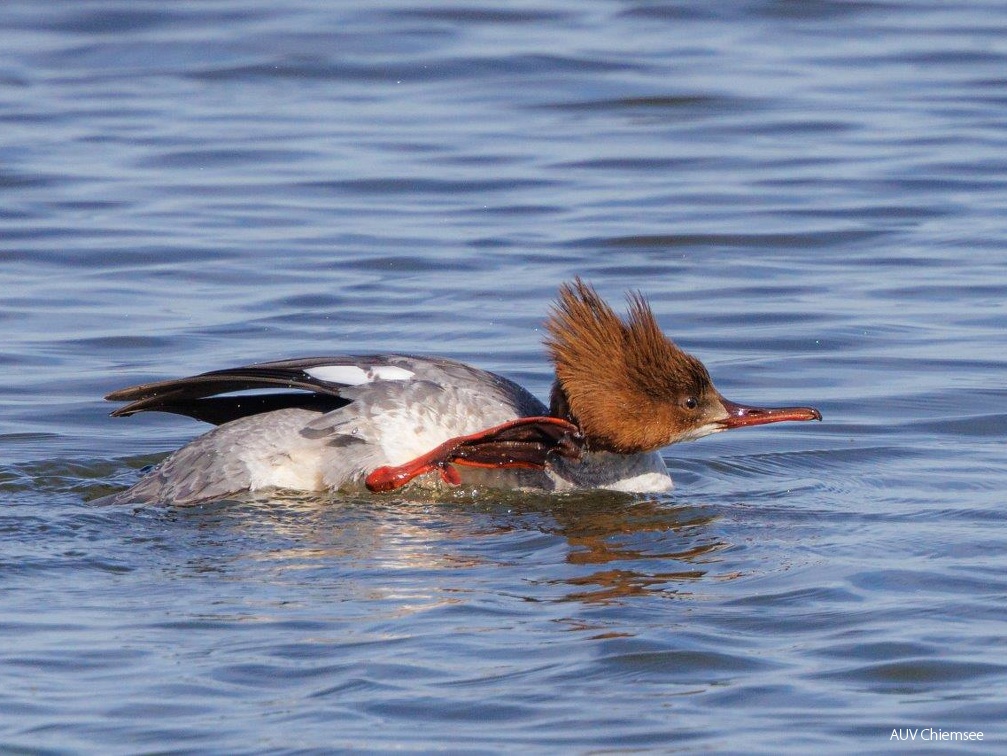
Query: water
[(811, 194)]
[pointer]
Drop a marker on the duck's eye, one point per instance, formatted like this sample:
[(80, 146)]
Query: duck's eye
[(690, 402)]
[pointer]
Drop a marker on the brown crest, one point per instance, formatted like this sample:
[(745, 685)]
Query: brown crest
[(626, 384)]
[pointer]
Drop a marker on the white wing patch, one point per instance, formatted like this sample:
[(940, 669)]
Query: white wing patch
[(351, 375)]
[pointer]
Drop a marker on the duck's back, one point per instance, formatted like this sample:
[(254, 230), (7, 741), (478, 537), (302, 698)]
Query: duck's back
[(324, 424)]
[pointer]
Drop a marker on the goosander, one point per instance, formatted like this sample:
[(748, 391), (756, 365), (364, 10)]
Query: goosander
[(623, 390)]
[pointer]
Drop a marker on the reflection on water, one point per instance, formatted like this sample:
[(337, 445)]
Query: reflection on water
[(617, 545)]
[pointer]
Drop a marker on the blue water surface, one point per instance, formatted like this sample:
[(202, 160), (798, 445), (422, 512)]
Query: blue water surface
[(810, 194)]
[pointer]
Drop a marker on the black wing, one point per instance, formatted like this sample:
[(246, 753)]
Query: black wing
[(199, 396)]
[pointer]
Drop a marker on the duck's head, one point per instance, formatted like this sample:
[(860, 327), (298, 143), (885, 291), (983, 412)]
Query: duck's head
[(628, 387)]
